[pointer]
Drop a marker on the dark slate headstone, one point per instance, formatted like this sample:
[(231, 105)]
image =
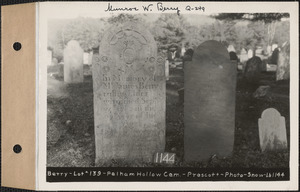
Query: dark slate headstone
[(274, 57), (209, 103), (129, 96), (253, 70), (233, 56)]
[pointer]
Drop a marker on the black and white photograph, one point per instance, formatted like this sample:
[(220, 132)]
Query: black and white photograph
[(168, 94)]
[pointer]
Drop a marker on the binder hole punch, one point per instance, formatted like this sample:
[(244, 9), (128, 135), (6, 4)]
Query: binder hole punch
[(17, 149), (17, 46)]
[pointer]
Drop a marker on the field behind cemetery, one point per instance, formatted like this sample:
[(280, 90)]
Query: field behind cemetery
[(70, 119)]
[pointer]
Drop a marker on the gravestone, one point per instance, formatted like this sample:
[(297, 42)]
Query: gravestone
[(283, 64), (233, 56), (167, 69), (54, 61), (90, 60), (264, 65), (259, 53), (73, 63), (253, 70), (85, 58), (272, 130), (209, 103), (250, 53), (231, 48), (274, 46), (269, 50), (243, 56), (243, 59), (129, 96)]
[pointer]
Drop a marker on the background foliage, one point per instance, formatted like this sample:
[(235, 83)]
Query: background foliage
[(172, 31)]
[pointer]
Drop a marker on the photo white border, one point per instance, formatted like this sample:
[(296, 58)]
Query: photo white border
[(47, 10)]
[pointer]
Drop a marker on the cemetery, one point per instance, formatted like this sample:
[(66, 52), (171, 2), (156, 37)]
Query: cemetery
[(136, 99)]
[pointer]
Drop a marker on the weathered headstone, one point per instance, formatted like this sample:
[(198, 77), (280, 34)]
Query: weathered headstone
[(129, 96), (253, 70), (274, 57), (243, 56), (264, 65), (272, 130), (274, 46), (209, 103), (73, 63), (269, 50), (231, 48), (85, 58), (90, 60), (243, 59), (182, 50), (250, 53), (283, 64)]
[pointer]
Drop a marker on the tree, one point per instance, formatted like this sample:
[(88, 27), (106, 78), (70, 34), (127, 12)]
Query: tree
[(169, 31), (268, 21)]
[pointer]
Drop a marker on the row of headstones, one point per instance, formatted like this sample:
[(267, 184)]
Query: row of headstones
[(74, 57), (129, 86), (279, 59), (244, 55)]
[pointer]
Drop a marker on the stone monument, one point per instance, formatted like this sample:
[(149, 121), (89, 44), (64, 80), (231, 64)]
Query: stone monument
[(73, 63), (272, 130), (129, 96), (209, 103)]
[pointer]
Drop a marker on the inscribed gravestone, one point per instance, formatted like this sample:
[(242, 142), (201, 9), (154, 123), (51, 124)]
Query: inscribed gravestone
[(253, 70), (73, 63), (272, 130), (209, 103), (129, 96)]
